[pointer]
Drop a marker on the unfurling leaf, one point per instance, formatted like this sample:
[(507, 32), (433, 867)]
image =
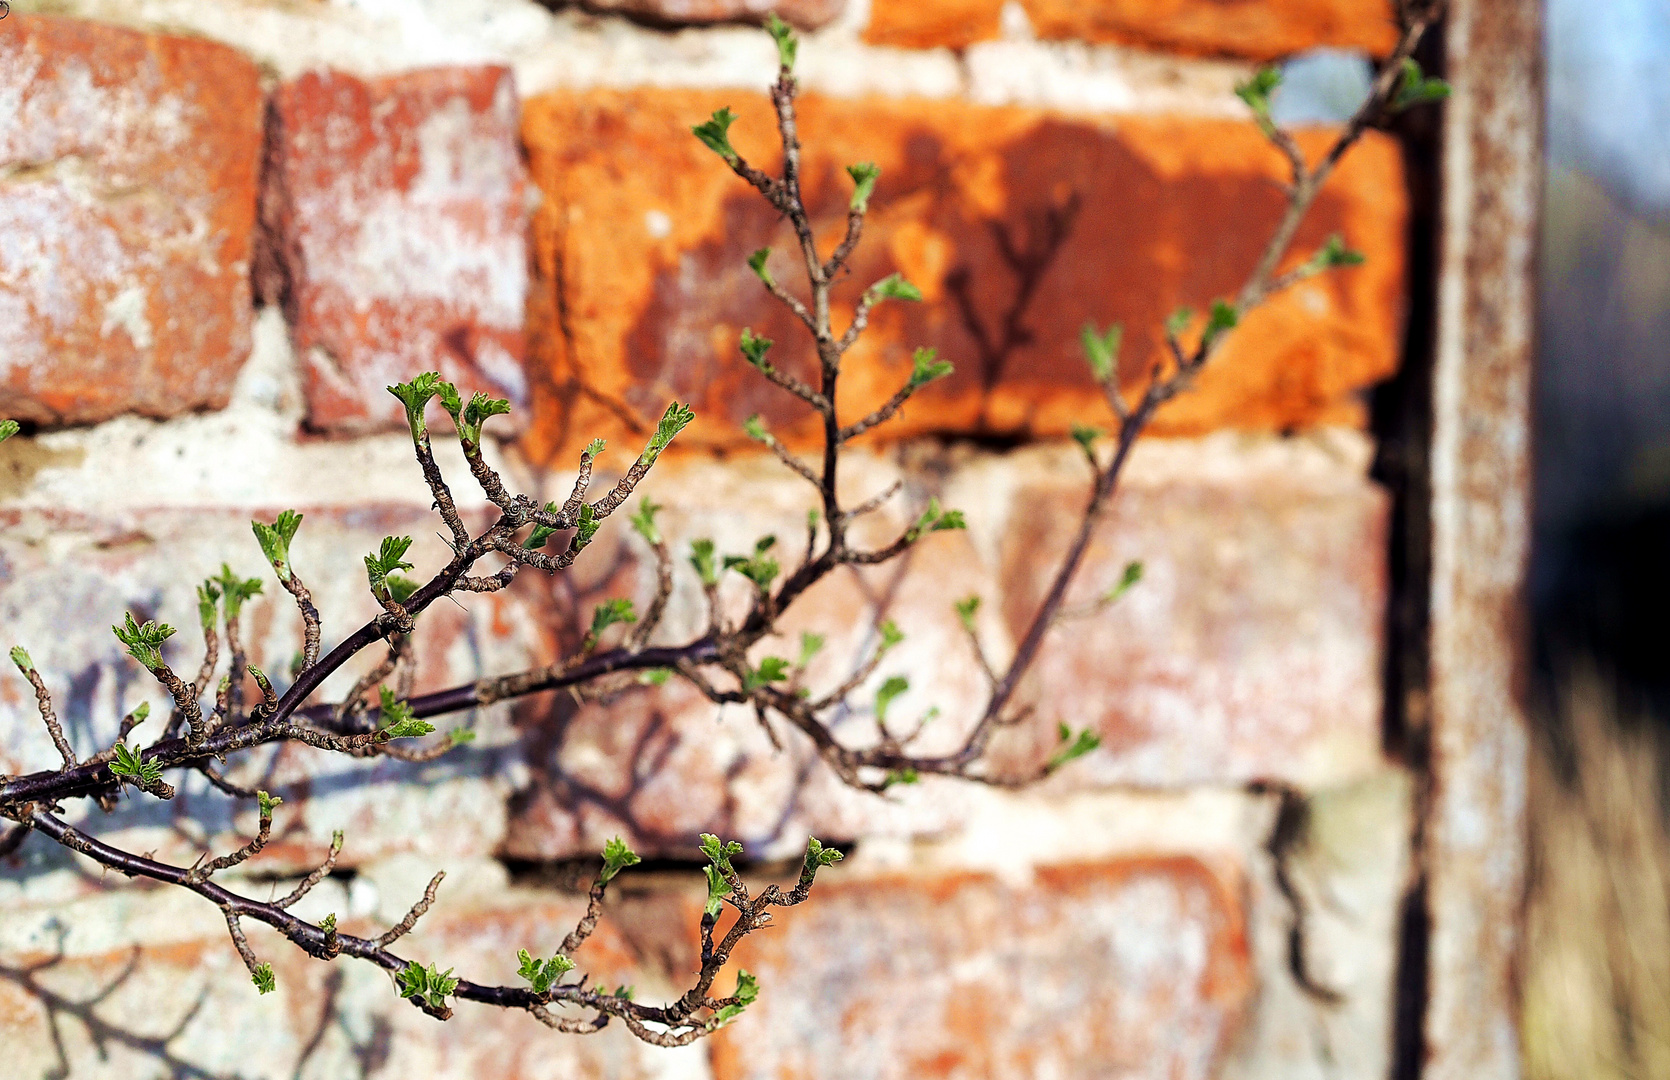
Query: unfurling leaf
[(389, 558), (747, 992), (810, 646), (864, 176), (1414, 88), (144, 642), (655, 676), (459, 736), (772, 669), (892, 688), (586, 527), (595, 447), (1331, 255), (891, 635), (756, 263), (1178, 321), (235, 591), (475, 414), (715, 135), (966, 609), (542, 533), (754, 348), (20, 657), (925, 369), (275, 541), (1072, 747), (934, 519), (1101, 351), (719, 866), (674, 420), (8, 428), (428, 985), (701, 557), (328, 923), (1086, 438), (267, 802), (755, 429), (607, 614), (1222, 319), (758, 568), (131, 764), (903, 776), (1256, 91), (617, 857), (818, 856), (263, 979), (208, 603), (415, 396), (1132, 575), (643, 522), (895, 287), (543, 974), (787, 43), (397, 719)]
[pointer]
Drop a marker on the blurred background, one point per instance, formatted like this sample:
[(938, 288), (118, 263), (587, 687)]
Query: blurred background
[(1597, 976)]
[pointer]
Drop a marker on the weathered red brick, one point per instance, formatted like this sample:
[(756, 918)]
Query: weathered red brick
[(644, 289), (1262, 31), (394, 211), (1252, 647), (808, 14), (128, 167), (1136, 967)]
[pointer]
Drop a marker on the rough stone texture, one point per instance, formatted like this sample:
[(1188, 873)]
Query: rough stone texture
[(1348, 869), (1135, 967), (187, 1003), (69, 577), (1018, 226), (128, 167), (1262, 31), (394, 215), (1251, 649), (808, 14)]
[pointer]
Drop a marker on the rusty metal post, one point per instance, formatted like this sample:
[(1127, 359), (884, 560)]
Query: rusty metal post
[(1475, 850)]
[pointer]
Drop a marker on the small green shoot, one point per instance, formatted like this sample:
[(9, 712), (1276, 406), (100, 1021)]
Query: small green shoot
[(616, 857), (715, 135), (275, 541), (144, 642), (1101, 351), (426, 984), (925, 369), (864, 176)]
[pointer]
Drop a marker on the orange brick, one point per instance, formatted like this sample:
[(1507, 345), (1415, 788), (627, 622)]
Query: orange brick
[(643, 287), (1260, 31), (126, 220), (930, 24), (1134, 967)]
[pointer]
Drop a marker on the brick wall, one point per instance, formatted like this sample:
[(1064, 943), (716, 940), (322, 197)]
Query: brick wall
[(224, 228)]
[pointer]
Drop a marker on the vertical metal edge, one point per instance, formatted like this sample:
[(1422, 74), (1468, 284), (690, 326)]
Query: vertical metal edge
[(1475, 831)]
